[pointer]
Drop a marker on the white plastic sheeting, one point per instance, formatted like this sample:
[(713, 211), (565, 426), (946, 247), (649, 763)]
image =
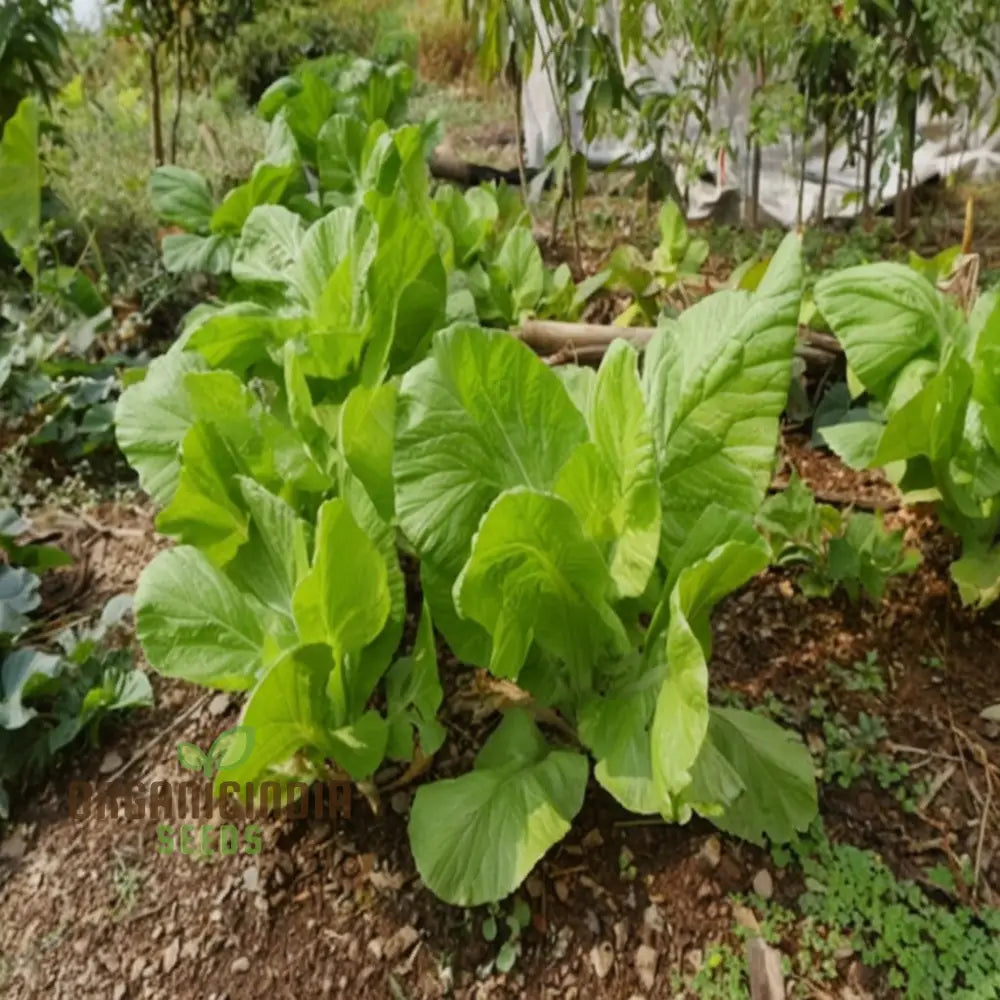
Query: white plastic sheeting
[(943, 146)]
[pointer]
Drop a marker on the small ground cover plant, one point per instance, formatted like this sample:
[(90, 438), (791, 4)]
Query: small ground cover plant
[(849, 550), (48, 698)]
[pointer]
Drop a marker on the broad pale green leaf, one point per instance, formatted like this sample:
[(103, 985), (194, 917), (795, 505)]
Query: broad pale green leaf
[(885, 315), (205, 510), (192, 252), (269, 245), (855, 442), (977, 576), (276, 554), (482, 415), (151, 420), (931, 423), (779, 798), (344, 599), (341, 150), (182, 198), (477, 837), (238, 339), (288, 711), (681, 718), (614, 488), (409, 293), (616, 729), (21, 170), (344, 232), (367, 430), (533, 576), (716, 381), (519, 263), (194, 624)]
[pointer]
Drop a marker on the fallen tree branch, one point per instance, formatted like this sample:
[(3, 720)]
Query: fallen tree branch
[(585, 343)]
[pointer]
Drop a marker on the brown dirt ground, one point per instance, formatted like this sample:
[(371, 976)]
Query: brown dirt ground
[(90, 909)]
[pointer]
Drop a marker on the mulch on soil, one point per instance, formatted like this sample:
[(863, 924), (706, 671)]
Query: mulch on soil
[(620, 909)]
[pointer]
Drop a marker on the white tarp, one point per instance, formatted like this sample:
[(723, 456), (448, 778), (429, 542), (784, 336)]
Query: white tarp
[(943, 147)]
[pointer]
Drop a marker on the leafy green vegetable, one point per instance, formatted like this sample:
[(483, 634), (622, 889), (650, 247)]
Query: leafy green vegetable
[(932, 417)]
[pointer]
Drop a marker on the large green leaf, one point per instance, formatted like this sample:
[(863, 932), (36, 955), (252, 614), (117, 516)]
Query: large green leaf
[(269, 245), (343, 601), (778, 798), (616, 729), (276, 555), (476, 838), (611, 482), (885, 315), (533, 576), (206, 509), (716, 382), (192, 252), (482, 415), (182, 198), (367, 430), (21, 178), (195, 624), (151, 420), (681, 718)]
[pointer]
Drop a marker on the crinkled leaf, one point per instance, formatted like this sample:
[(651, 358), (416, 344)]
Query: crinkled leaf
[(716, 382)]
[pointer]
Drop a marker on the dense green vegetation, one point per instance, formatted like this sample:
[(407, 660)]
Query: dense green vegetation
[(301, 344)]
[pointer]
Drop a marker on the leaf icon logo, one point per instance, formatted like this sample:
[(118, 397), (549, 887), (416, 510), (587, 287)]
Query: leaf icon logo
[(229, 749), (232, 747)]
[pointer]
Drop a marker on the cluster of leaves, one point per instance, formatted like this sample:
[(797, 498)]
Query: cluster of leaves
[(678, 257), (851, 550), (48, 699), (49, 329), (931, 419), (554, 516), (31, 51), (332, 147), (568, 525)]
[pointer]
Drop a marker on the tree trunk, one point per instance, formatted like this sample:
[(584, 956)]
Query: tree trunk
[(155, 112), (179, 88), (821, 208), (803, 159), (866, 193)]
